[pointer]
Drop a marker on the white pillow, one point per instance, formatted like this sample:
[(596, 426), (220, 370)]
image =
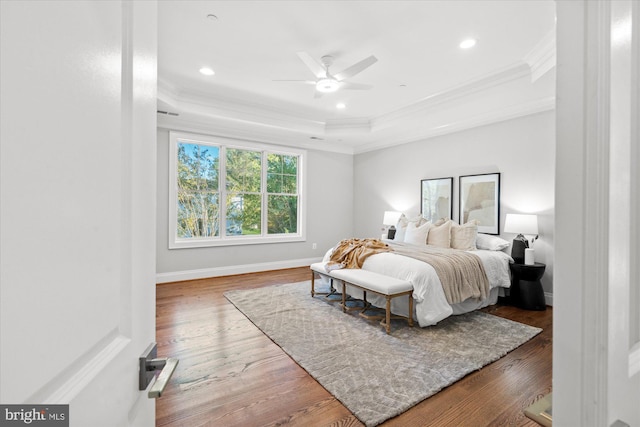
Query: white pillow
[(491, 243), (417, 235), (464, 236), (401, 230), (403, 222)]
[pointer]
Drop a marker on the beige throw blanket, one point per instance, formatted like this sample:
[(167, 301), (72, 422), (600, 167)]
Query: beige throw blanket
[(351, 253), (461, 273)]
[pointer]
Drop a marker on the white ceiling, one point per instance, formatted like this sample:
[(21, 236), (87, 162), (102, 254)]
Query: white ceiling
[(424, 84)]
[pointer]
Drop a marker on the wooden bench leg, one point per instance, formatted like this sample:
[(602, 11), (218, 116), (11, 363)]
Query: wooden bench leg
[(388, 325), (411, 309), (344, 297), (313, 282)]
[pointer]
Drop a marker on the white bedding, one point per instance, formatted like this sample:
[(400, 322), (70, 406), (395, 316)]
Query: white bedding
[(431, 306)]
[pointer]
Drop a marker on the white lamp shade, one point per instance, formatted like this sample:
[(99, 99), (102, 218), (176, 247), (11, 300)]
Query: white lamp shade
[(521, 224), (391, 217)]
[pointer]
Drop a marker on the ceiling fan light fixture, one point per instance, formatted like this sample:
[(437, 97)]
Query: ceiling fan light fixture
[(327, 85)]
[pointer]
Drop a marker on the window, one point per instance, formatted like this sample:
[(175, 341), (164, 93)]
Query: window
[(226, 193), (282, 193)]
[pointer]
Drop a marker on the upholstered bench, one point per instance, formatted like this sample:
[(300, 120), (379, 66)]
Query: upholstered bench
[(380, 284)]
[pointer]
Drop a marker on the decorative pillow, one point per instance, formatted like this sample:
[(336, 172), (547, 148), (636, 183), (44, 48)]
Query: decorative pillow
[(441, 221), (403, 222), (401, 230), (491, 243), (440, 235), (464, 236), (417, 235)]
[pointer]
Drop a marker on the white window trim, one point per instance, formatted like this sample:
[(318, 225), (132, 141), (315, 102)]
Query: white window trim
[(223, 239)]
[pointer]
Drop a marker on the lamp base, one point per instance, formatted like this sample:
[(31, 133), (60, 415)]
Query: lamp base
[(520, 243), (391, 233)]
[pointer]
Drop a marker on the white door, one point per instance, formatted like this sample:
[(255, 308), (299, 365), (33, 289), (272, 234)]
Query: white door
[(78, 126), (596, 362)]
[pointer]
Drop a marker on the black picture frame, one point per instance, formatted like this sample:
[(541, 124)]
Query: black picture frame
[(436, 198), (479, 199)]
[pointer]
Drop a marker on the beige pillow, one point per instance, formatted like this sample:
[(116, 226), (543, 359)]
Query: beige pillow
[(441, 221), (417, 235), (464, 236), (440, 235)]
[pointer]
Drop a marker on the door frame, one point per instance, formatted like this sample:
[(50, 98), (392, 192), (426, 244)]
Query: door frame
[(586, 236)]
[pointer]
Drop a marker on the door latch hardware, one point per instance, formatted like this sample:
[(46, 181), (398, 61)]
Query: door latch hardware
[(149, 364)]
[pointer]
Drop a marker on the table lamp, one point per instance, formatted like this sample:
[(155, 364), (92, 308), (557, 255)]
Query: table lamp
[(521, 225), (390, 220)]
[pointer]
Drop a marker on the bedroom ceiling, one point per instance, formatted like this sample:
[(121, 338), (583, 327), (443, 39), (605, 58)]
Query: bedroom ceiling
[(424, 83)]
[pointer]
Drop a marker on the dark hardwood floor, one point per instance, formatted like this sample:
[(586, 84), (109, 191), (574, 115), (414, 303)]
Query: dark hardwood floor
[(231, 374)]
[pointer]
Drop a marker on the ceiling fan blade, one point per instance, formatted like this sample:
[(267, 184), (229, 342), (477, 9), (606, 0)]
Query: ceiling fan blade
[(318, 94), (316, 68), (356, 68), (356, 86)]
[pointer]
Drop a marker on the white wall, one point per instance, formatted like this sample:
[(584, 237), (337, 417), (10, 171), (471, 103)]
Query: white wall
[(329, 219), (522, 150)]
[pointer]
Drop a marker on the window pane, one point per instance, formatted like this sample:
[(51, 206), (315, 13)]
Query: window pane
[(243, 214), (290, 165), (283, 214), (197, 215), (197, 184), (289, 184), (274, 183), (275, 163), (198, 167), (282, 176), (243, 170)]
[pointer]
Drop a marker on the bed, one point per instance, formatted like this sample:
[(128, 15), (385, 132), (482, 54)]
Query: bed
[(431, 305)]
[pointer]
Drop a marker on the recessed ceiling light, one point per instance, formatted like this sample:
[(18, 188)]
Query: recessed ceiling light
[(468, 43), (212, 17), (207, 71), (341, 106)]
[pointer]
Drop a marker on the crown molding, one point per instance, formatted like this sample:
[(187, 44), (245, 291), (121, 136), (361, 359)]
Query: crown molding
[(377, 141), (223, 127), (347, 126), (496, 116), (542, 57), (499, 77)]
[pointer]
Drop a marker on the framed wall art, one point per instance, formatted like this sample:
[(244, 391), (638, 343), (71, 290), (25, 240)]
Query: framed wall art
[(436, 198), (480, 200)]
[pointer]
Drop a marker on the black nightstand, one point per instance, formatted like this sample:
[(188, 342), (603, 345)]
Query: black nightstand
[(526, 289)]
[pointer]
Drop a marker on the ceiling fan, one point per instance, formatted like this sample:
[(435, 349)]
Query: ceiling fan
[(326, 82)]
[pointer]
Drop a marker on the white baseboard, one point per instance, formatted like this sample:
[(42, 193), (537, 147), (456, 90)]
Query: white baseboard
[(548, 297), (179, 276)]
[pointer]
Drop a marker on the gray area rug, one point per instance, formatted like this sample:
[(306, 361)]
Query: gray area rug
[(375, 375)]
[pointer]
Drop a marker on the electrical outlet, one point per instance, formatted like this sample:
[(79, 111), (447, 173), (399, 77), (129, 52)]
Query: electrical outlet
[(314, 246)]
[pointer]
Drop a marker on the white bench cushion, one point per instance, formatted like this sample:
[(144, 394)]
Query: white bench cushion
[(373, 281), (320, 267)]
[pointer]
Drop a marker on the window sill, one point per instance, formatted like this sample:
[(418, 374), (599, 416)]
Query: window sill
[(233, 241)]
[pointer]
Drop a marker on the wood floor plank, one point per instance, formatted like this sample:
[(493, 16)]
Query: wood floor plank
[(231, 374)]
